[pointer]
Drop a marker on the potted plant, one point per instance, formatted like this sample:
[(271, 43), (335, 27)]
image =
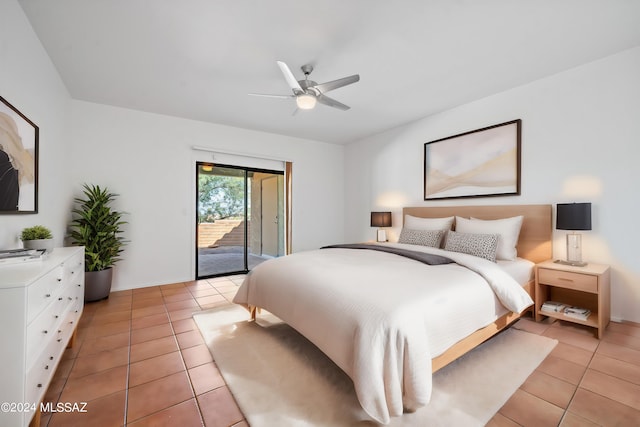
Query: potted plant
[(37, 237), (97, 227)]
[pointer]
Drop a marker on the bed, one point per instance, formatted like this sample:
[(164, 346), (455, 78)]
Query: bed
[(389, 321)]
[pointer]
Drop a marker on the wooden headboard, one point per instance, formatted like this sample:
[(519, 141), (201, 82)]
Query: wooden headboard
[(535, 235)]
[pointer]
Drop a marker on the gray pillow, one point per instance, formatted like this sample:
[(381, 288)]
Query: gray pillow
[(480, 245), (430, 238)]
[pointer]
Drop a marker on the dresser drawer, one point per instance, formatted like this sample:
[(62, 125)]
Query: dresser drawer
[(40, 374), (41, 292), (68, 325), (74, 269), (44, 328), (568, 280)]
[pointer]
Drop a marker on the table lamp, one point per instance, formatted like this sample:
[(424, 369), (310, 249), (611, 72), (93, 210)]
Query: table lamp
[(573, 216), (381, 219)]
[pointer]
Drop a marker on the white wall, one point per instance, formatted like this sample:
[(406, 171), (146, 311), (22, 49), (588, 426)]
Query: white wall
[(30, 82), (148, 160), (580, 142)]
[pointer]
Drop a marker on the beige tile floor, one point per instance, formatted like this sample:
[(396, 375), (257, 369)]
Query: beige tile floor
[(139, 360)]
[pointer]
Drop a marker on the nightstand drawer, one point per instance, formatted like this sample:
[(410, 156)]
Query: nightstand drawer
[(568, 280)]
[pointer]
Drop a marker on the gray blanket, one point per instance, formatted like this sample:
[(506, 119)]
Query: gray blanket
[(422, 257)]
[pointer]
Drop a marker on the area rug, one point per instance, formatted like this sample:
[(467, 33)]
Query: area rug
[(278, 378)]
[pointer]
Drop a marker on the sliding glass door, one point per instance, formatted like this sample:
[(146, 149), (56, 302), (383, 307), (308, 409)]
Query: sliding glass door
[(240, 218)]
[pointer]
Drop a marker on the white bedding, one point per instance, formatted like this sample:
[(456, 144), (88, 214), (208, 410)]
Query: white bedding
[(381, 317), (520, 269)]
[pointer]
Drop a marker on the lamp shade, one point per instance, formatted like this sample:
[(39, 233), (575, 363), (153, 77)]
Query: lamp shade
[(381, 219), (573, 216)]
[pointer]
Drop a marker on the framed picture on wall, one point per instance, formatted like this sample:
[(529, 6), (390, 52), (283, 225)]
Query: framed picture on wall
[(480, 163), (18, 161)]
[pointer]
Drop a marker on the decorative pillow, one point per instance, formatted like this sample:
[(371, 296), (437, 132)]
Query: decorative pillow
[(508, 230), (416, 223), (480, 245), (430, 238)]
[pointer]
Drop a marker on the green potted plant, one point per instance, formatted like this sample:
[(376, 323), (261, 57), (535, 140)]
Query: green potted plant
[(37, 237), (97, 227)]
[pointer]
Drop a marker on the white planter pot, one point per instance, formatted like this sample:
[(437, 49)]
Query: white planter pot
[(38, 244)]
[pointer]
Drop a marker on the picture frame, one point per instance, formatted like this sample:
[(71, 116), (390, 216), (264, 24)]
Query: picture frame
[(18, 161), (480, 163)]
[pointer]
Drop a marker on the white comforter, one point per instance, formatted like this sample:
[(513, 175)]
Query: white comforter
[(382, 317)]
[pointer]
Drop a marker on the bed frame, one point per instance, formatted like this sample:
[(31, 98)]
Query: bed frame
[(534, 244)]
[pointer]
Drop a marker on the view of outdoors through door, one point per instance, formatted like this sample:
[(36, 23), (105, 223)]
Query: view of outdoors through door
[(240, 218)]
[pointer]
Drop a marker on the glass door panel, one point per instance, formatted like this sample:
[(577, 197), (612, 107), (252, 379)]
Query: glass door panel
[(240, 218), (221, 225)]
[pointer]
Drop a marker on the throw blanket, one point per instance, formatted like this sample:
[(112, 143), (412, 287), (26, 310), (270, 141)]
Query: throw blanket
[(381, 317), (423, 257)]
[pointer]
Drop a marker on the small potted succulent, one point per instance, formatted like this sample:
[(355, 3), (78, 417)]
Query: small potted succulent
[(37, 237)]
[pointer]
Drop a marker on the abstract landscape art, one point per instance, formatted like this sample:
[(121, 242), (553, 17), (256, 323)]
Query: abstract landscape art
[(483, 162)]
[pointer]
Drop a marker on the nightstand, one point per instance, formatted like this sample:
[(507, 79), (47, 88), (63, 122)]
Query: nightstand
[(586, 287)]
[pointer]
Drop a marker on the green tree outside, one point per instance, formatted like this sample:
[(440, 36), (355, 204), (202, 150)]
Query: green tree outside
[(220, 197)]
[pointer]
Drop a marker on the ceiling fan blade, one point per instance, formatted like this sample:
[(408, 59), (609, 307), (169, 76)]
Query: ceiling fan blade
[(266, 95), (331, 102), (288, 76), (335, 84)]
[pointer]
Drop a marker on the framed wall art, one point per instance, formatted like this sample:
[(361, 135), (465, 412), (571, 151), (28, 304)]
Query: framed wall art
[(18, 162), (480, 163)]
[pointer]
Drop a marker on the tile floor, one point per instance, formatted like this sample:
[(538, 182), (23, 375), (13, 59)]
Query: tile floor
[(139, 360)]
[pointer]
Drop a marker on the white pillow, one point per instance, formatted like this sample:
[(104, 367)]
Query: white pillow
[(508, 230), (416, 223)]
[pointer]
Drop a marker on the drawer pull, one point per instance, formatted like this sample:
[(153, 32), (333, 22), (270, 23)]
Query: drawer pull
[(70, 299), (59, 298), (50, 357), (56, 316), (59, 280), (59, 339), (79, 286), (565, 279), (46, 367), (39, 385), (45, 331), (48, 295)]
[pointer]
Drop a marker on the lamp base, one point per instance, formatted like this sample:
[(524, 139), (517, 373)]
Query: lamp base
[(382, 236), (573, 263), (574, 249)]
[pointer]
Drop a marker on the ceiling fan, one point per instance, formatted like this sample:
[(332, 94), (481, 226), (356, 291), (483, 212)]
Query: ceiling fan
[(307, 92)]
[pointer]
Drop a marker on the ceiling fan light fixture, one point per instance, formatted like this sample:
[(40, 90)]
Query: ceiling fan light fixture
[(306, 101)]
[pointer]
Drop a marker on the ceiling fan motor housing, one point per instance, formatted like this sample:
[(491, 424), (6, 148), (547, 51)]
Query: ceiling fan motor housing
[(307, 84)]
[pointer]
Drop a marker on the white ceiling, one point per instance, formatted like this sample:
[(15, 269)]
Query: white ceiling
[(198, 59)]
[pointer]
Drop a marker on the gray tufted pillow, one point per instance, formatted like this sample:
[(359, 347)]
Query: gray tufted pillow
[(480, 245)]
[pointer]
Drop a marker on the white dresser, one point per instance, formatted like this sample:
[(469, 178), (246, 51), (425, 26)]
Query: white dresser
[(40, 305)]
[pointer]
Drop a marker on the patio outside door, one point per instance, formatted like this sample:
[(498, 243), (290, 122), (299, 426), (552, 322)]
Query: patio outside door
[(239, 218)]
